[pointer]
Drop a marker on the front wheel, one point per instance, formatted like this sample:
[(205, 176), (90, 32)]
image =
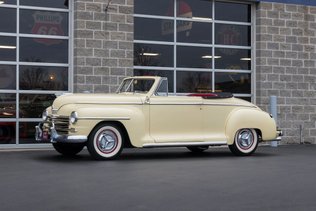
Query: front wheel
[(245, 142), (68, 149), (105, 142)]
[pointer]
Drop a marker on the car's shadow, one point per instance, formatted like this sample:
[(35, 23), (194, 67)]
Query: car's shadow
[(153, 154)]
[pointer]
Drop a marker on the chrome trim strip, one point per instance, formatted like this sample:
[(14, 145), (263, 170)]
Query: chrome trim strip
[(104, 118), (109, 103), (208, 104), (174, 103), (224, 104), (184, 144)]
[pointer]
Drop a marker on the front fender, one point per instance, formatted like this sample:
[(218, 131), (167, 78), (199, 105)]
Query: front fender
[(250, 118), (133, 117)]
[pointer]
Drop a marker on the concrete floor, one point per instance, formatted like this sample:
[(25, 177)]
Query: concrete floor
[(282, 178)]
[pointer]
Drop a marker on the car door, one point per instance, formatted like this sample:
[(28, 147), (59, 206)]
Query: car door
[(215, 114), (175, 119)]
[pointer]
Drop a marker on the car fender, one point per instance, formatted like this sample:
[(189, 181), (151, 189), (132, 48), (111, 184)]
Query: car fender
[(250, 118), (132, 117)]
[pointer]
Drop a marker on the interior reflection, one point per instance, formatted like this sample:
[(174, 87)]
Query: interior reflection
[(43, 78), (32, 105), (194, 82), (233, 82), (7, 106)]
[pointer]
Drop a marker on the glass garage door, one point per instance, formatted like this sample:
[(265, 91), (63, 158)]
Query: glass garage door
[(34, 64)]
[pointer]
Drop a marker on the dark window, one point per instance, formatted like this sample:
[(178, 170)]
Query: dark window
[(194, 82), (43, 22), (153, 55), (7, 20), (43, 78), (154, 7), (163, 73), (43, 50), (33, 105), (194, 9), (7, 132), (155, 29), (232, 12), (194, 57), (233, 59), (233, 82), (227, 34), (8, 76), (194, 32), (45, 3)]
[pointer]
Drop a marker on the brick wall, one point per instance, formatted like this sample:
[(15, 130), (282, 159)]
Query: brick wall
[(286, 55), (103, 44)]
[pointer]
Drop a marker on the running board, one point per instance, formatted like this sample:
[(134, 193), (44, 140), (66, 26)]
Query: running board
[(184, 144)]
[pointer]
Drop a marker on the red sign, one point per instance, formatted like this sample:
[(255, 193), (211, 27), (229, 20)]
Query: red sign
[(47, 23)]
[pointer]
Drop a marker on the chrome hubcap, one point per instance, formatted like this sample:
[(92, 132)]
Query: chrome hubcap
[(245, 139), (107, 141)]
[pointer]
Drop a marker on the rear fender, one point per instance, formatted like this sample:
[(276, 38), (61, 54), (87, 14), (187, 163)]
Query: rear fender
[(250, 118)]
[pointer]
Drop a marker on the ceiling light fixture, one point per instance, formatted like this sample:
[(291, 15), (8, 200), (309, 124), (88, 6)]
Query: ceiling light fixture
[(201, 19), (245, 59), (8, 46), (211, 57), (1, 2), (149, 54)]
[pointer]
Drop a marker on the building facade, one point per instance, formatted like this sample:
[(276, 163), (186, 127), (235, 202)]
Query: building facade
[(253, 49)]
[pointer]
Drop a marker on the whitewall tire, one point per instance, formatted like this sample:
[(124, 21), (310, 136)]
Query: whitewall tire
[(245, 142), (105, 142)]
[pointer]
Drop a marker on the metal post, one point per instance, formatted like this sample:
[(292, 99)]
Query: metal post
[(273, 111)]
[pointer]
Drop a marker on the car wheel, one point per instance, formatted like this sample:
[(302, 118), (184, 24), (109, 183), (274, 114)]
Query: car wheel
[(68, 149), (197, 149), (105, 142), (245, 142)]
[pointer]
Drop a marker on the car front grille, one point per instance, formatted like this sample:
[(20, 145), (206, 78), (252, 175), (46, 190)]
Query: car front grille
[(61, 124)]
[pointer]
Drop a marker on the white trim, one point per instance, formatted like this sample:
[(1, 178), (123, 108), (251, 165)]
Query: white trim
[(153, 16), (153, 42), (35, 146), (153, 68), (43, 8), (233, 23), (44, 36), (8, 34), (184, 144), (44, 64), (254, 56)]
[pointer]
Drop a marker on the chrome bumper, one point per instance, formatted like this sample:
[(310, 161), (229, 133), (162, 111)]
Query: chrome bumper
[(55, 137), (279, 135)]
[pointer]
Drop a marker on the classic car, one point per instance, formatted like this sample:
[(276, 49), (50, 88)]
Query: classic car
[(142, 114)]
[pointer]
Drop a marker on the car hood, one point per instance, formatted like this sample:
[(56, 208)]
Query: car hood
[(96, 99)]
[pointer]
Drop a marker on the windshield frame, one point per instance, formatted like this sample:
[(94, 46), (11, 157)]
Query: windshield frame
[(128, 82)]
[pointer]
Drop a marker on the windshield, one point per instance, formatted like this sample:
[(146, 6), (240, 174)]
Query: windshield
[(136, 85)]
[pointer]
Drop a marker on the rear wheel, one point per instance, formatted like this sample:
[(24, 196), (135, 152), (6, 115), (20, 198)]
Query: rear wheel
[(68, 149), (245, 142), (105, 142), (197, 149)]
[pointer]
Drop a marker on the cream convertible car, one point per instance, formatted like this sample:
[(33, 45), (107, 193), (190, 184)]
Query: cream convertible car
[(141, 114)]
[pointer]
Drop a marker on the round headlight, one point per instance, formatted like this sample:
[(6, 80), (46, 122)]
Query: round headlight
[(73, 117), (44, 115)]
